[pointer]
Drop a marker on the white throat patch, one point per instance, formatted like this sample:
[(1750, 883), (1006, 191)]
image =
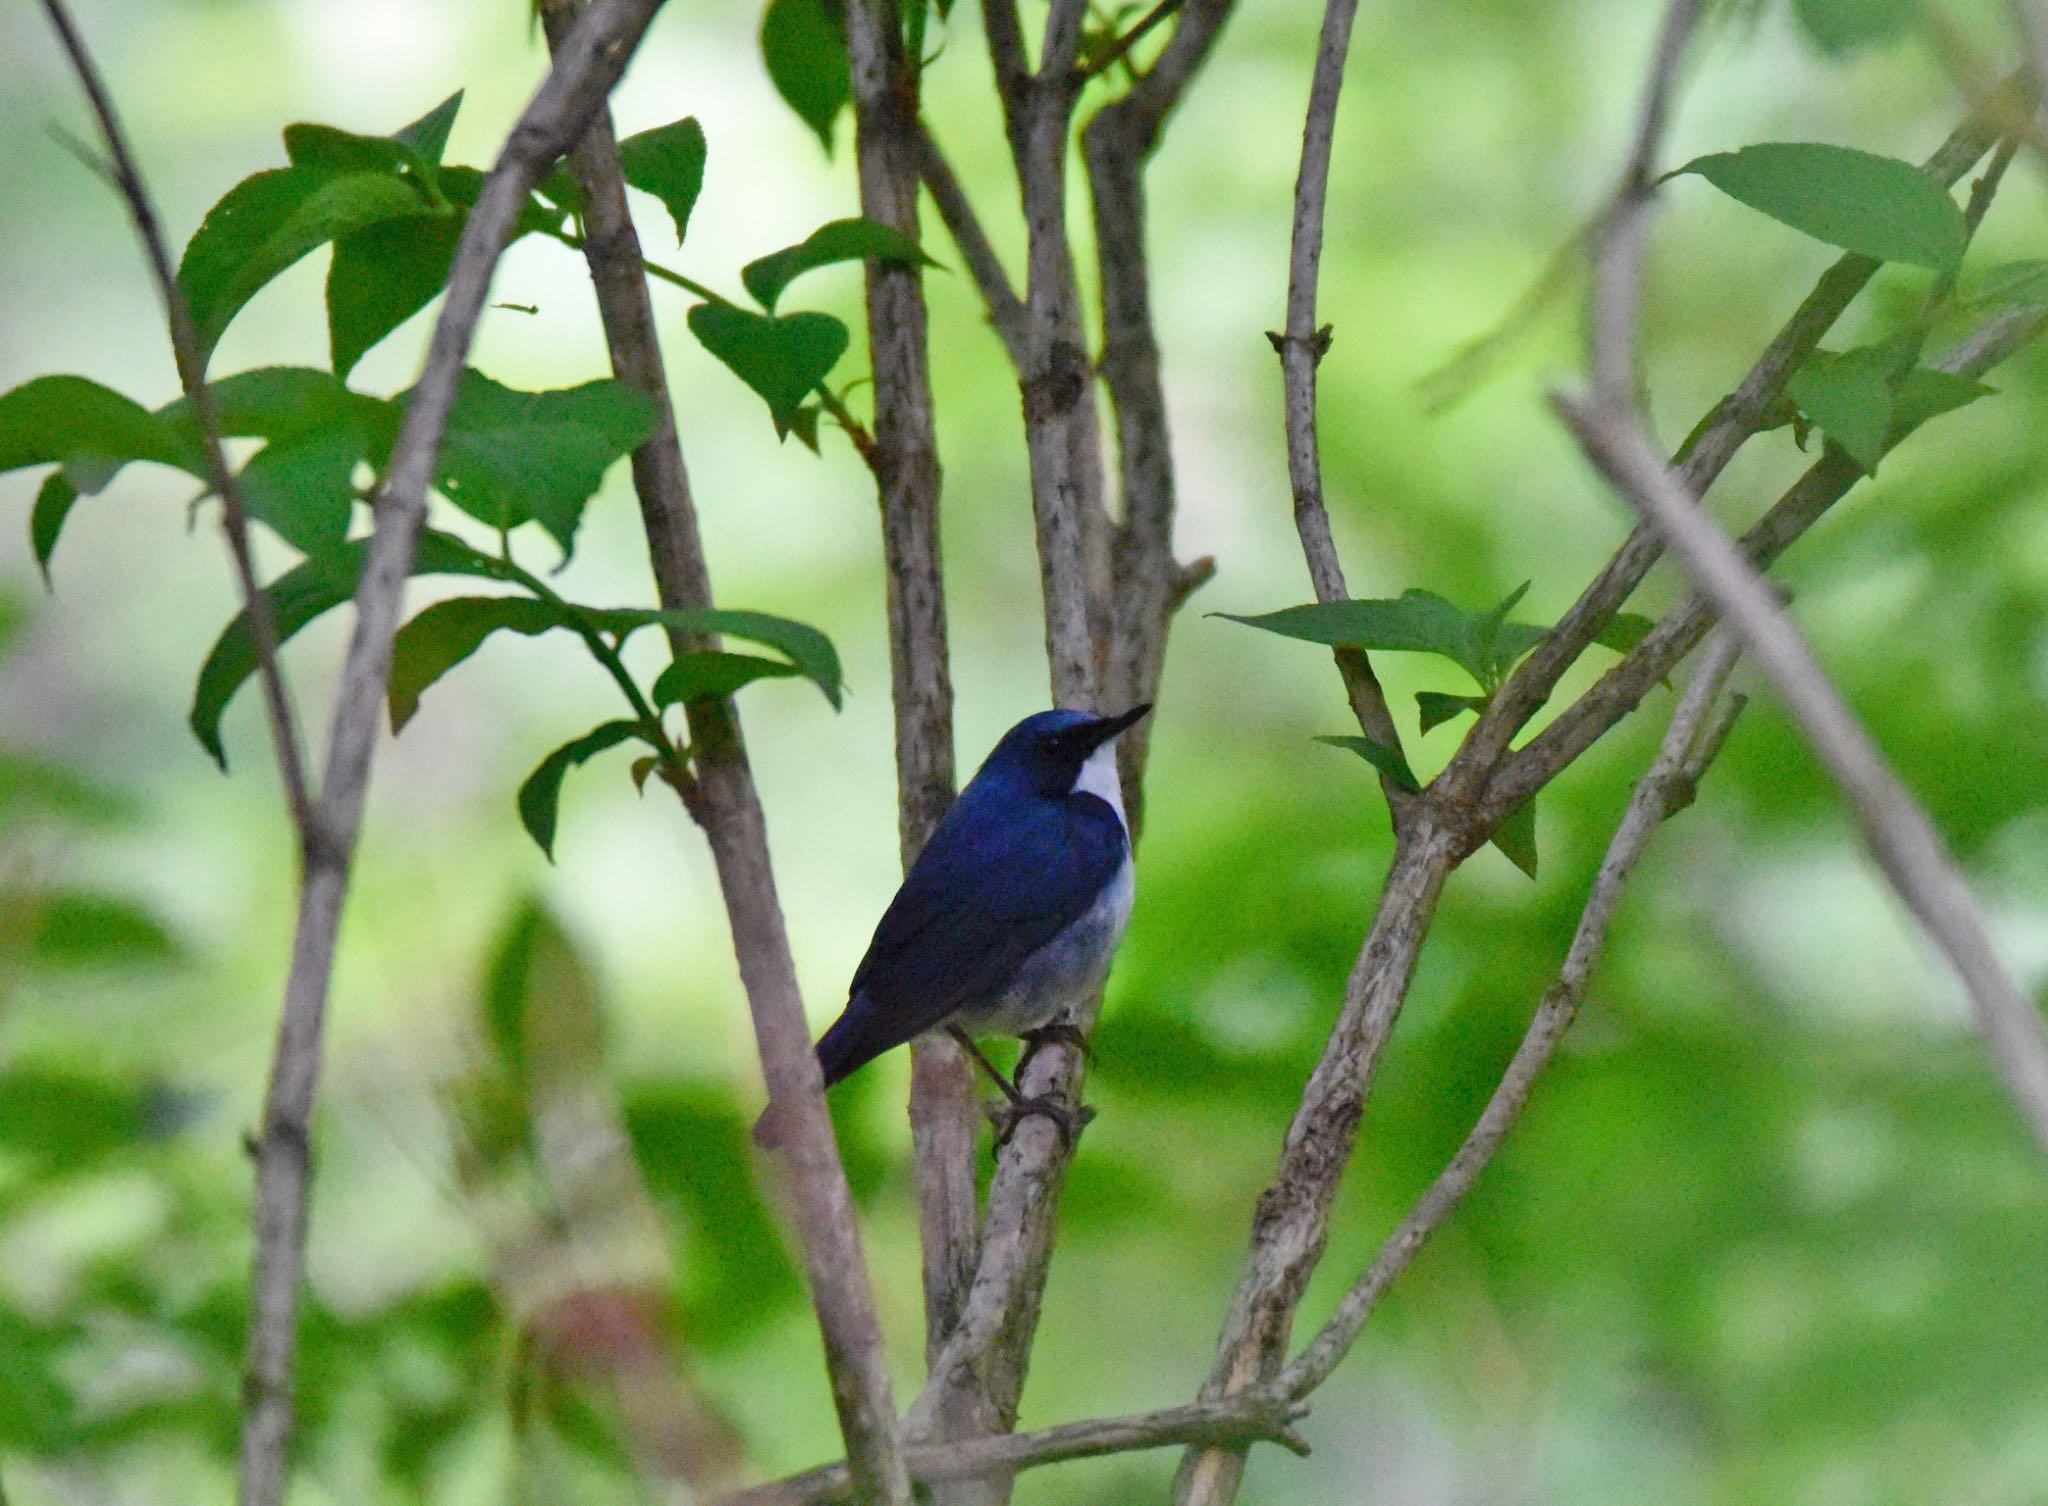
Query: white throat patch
[(1098, 777)]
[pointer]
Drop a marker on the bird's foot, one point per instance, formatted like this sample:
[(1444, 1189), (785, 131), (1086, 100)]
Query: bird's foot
[(1065, 1032), (1008, 1115)]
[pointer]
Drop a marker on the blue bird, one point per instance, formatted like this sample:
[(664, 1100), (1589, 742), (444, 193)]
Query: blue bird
[(1009, 916)]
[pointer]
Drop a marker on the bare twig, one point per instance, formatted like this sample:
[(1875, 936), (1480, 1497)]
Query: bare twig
[(728, 807), (1901, 838), (1236, 1420), (590, 63), (1121, 49), (1301, 347), (1689, 746), (1005, 308), (127, 178)]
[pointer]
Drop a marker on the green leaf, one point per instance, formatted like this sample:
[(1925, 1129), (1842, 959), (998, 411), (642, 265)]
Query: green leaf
[(267, 222), (2014, 284), (1516, 837), (1838, 27), (428, 136), (710, 675), (1850, 396), (781, 359), (46, 520), (1624, 631), (838, 241), (74, 929), (441, 636), (541, 795), (668, 162), (808, 650), (1877, 206), (381, 276), (296, 598), (1417, 622), (1387, 760), (511, 456), (1927, 393), (803, 42), (1436, 708), (330, 148), (62, 419), (303, 487)]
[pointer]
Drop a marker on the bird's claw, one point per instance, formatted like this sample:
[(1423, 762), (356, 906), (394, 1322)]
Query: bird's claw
[(1065, 1032), (1007, 1116)]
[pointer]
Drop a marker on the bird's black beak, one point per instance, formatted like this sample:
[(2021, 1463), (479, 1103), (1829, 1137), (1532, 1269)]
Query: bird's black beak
[(1110, 726)]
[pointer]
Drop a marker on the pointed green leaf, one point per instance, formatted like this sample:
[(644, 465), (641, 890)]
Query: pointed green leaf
[(1417, 622), (1387, 760), (311, 145), (296, 598), (803, 42), (65, 418), (1927, 393), (441, 636), (1877, 206), (1436, 708), (839, 241), (267, 222), (46, 520), (1516, 837), (540, 797), (710, 675), (667, 162), (512, 456), (428, 136), (381, 276), (781, 359), (1624, 631), (805, 647)]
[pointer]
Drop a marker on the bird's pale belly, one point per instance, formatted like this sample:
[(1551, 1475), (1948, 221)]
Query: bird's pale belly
[(1063, 973)]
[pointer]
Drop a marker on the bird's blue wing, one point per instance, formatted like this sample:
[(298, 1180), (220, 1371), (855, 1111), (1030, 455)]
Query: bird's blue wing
[(1001, 877)]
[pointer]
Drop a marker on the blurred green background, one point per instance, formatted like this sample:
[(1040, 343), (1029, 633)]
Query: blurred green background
[(1769, 1232)]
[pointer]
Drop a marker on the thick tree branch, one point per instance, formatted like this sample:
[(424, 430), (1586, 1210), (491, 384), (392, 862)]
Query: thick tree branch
[(588, 66), (127, 175), (890, 146), (1689, 746), (1236, 1420), (728, 807)]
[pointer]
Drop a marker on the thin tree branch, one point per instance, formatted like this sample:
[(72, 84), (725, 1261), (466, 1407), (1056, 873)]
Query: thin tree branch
[(1689, 746), (1005, 308), (728, 807), (1733, 421), (590, 63), (1239, 1420), (1901, 838), (891, 151), (1301, 346), (126, 177), (1123, 45)]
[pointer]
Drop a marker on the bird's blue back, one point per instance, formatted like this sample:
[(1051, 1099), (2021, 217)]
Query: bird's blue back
[(1006, 871)]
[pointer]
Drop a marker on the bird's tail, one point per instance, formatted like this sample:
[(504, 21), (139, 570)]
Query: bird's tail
[(846, 1046)]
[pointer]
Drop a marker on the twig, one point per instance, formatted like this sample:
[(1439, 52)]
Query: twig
[(1689, 746), (127, 178), (589, 64), (728, 807), (1005, 308), (1901, 838), (1301, 346), (1239, 1420), (1100, 65)]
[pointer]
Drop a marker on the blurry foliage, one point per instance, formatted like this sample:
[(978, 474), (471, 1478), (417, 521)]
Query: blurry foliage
[(1769, 1231)]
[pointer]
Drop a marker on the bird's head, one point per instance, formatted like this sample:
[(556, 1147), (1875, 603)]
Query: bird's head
[(1048, 751)]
